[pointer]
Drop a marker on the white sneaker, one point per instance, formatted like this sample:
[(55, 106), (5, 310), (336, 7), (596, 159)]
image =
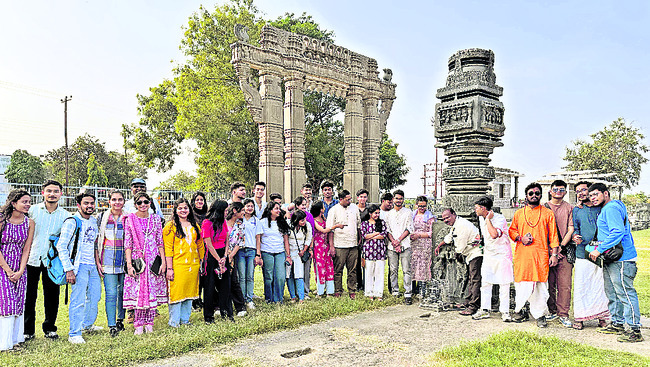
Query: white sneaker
[(306, 297), (92, 329), (76, 339), (241, 313), (250, 305), (481, 314), (505, 316)]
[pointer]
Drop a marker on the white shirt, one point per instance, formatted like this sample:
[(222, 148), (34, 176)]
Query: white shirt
[(259, 210), (47, 224), (463, 234), (497, 252), (345, 237), (250, 231), (398, 222)]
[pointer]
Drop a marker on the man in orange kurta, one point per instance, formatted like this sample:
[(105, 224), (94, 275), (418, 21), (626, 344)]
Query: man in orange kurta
[(534, 231)]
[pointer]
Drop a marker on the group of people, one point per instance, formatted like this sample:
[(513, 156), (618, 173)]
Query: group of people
[(204, 256), (553, 242)]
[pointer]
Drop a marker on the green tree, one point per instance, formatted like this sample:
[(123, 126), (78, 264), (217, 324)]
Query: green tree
[(96, 174), (119, 168), (392, 165), (632, 200), (617, 148), (181, 181), (25, 168)]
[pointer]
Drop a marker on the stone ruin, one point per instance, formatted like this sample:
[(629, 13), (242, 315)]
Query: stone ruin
[(303, 63), (468, 126)]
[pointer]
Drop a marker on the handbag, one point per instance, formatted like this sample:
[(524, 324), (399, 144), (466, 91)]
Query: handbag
[(138, 265), (155, 266), (610, 255)]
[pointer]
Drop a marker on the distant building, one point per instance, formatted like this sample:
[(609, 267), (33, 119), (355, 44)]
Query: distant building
[(504, 187)]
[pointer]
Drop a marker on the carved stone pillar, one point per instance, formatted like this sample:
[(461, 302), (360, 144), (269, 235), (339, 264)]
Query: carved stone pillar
[(371, 142), (353, 140), (271, 141), (469, 125), (294, 138)]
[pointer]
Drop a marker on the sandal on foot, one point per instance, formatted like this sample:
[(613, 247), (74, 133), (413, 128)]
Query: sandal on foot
[(578, 325)]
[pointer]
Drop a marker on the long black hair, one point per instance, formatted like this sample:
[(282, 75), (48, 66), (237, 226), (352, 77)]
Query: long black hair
[(196, 210), (8, 209), (378, 223), (190, 218), (297, 216), (316, 208), (216, 215), (251, 201), (283, 226)]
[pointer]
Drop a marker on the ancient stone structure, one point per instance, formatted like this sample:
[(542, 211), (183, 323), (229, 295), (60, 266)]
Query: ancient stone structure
[(299, 63), (468, 126)]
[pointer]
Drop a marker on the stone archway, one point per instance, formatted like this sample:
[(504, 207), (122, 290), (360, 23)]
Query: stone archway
[(305, 63)]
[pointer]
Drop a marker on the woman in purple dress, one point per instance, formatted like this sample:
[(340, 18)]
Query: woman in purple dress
[(143, 239), (374, 232), (16, 234)]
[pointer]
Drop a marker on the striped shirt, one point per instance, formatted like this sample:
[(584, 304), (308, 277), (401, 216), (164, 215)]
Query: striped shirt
[(47, 224)]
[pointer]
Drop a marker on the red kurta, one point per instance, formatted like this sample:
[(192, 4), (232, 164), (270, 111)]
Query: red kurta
[(531, 262)]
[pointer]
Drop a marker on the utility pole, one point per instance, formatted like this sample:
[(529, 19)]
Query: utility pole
[(65, 101)]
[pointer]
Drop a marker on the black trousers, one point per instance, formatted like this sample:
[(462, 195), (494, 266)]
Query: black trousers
[(235, 289), (360, 272), (212, 284), (473, 299), (50, 300)]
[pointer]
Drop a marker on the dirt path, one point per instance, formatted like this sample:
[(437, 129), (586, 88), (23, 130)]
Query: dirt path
[(397, 335)]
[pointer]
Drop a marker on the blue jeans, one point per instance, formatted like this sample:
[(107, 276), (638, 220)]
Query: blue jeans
[(180, 312), (321, 288), (296, 285), (84, 299), (246, 269), (274, 276), (114, 289), (619, 288)]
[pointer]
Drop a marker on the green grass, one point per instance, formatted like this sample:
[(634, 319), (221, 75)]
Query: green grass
[(517, 348), (102, 350)]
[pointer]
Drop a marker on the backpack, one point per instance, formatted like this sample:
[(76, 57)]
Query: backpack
[(53, 264)]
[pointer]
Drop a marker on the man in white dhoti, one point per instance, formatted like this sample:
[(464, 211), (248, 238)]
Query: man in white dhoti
[(589, 299), (497, 260)]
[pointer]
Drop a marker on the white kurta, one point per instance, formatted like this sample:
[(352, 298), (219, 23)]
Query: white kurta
[(497, 253)]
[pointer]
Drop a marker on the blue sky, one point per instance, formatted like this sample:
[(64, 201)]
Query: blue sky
[(568, 68)]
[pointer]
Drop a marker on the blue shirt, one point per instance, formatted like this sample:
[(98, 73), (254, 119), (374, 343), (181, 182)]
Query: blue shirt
[(584, 224), (327, 207), (614, 228)]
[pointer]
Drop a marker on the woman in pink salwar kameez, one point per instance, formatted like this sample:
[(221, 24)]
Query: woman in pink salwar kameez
[(143, 240)]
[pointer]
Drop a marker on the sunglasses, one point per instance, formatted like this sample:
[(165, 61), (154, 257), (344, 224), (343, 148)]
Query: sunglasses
[(422, 206), (582, 190), (146, 202), (558, 189), (534, 193)]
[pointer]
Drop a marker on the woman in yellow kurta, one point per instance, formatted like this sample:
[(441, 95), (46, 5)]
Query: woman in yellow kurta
[(184, 251)]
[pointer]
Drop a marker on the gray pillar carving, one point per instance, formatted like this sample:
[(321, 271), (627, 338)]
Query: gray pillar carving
[(294, 137), (371, 141), (353, 140), (271, 140)]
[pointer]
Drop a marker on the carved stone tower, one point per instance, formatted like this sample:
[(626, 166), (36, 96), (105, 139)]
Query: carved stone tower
[(468, 126)]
